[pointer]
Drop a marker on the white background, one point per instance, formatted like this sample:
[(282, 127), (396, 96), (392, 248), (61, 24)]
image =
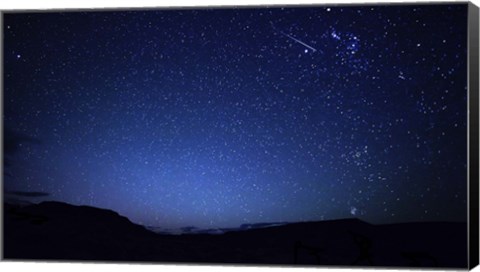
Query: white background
[(55, 4)]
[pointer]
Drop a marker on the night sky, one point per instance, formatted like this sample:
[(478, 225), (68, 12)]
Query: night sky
[(219, 117)]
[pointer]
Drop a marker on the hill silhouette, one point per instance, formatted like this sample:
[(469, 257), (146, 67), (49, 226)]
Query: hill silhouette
[(60, 231)]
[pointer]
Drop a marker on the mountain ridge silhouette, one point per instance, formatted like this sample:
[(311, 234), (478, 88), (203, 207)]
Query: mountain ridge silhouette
[(60, 231)]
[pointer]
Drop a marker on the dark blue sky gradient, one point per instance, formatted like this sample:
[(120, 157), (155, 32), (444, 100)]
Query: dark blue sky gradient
[(215, 118)]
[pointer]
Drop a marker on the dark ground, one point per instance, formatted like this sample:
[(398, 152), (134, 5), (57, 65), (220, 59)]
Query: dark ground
[(59, 231)]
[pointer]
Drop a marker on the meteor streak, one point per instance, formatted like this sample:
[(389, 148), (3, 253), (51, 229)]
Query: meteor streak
[(294, 39), (298, 41)]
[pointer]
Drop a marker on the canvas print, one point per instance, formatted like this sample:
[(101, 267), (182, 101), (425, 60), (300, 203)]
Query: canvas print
[(294, 136)]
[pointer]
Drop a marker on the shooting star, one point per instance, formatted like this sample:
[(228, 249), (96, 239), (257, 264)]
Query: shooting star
[(294, 39), (298, 41)]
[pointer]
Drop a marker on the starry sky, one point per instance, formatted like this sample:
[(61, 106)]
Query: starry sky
[(220, 117)]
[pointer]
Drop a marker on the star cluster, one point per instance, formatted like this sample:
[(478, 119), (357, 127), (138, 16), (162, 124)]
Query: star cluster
[(218, 117)]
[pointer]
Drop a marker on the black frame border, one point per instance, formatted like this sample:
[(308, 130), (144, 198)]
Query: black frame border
[(473, 124)]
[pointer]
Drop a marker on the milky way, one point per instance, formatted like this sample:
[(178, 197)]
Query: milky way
[(213, 118)]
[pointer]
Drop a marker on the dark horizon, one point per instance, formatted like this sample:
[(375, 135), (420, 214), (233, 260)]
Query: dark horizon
[(19, 202), (48, 231), (221, 117)]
